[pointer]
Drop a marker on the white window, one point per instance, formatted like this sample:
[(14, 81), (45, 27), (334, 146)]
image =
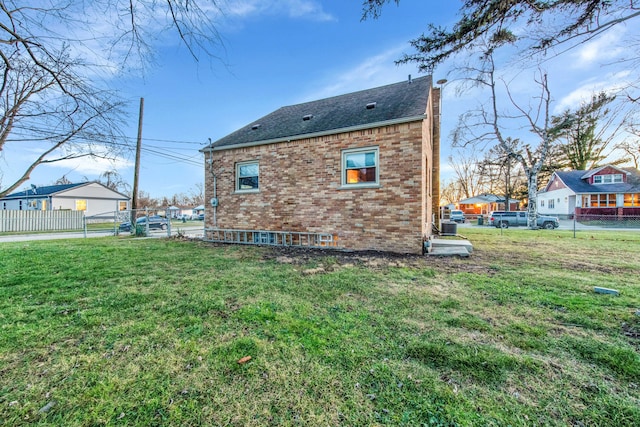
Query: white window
[(360, 167), (608, 179), (542, 203), (551, 204), (247, 177)]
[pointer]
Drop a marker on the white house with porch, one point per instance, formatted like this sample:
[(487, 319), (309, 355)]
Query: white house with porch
[(604, 191)]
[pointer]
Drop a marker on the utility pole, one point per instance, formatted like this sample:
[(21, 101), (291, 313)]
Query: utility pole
[(136, 173)]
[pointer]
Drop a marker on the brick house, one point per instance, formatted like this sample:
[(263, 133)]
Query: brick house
[(605, 191), (356, 171)]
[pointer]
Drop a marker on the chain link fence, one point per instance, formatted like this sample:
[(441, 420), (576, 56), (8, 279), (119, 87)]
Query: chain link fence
[(578, 224), (606, 222), (62, 224), (145, 223)]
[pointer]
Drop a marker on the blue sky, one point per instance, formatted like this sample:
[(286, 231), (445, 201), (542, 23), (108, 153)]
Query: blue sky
[(283, 52)]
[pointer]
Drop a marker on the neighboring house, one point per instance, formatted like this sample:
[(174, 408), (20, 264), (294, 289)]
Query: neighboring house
[(197, 210), (608, 191), (485, 203), (357, 168), (91, 197), (181, 211)]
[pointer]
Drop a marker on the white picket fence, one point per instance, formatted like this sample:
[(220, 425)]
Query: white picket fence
[(18, 221)]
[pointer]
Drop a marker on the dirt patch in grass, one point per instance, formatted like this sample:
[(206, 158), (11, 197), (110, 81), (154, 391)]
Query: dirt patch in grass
[(329, 260)]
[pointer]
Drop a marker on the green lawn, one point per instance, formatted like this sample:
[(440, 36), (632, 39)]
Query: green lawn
[(121, 331)]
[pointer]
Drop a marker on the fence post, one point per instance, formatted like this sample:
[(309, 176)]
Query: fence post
[(84, 225), (574, 226), (146, 223), (167, 215)]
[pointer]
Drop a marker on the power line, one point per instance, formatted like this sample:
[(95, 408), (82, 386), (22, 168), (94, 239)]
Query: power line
[(97, 136), (170, 153)]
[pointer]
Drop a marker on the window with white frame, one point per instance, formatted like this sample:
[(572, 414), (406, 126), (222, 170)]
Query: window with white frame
[(615, 178), (360, 167), (542, 203), (247, 176), (551, 204)]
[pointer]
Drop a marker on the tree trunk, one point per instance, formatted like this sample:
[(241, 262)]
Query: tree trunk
[(532, 208)]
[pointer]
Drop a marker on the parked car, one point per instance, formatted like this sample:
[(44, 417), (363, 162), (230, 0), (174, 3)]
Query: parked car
[(457, 216), (155, 222), (504, 219), (201, 217)]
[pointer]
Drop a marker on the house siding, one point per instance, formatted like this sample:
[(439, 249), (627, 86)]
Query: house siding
[(300, 189), (564, 201), (555, 184), (99, 199)]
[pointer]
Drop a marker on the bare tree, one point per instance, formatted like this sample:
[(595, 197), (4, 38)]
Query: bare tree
[(63, 180), (113, 180), (144, 199), (485, 127), (451, 192), (58, 113), (466, 167), (52, 60), (631, 147), (196, 195), (502, 172)]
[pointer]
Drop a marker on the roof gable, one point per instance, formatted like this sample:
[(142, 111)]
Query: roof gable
[(555, 183), (578, 182), (395, 102), (595, 171)]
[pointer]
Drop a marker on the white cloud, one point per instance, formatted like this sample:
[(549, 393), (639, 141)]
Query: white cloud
[(605, 48), (92, 166), (295, 9), (611, 83), (374, 71)]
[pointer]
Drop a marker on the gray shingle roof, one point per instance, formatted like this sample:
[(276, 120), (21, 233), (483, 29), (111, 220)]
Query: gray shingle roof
[(393, 102), (573, 180)]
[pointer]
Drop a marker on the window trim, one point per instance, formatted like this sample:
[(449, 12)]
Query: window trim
[(611, 178), (237, 178), (343, 167)]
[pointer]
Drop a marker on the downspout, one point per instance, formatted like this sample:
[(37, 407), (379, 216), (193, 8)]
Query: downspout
[(214, 201)]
